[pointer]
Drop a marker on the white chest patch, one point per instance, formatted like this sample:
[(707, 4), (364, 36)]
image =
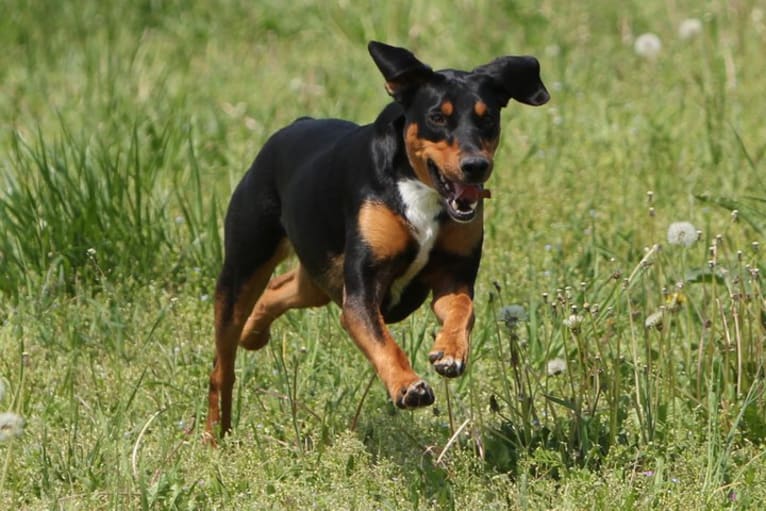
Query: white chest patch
[(422, 206)]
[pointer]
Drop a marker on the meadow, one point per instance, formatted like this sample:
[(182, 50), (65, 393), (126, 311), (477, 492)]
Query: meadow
[(619, 349)]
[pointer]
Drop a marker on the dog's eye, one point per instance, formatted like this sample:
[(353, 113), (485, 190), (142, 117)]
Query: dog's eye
[(437, 119)]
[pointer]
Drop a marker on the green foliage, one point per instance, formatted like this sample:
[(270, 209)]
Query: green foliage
[(610, 366)]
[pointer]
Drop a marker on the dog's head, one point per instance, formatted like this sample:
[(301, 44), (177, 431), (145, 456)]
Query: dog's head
[(452, 118)]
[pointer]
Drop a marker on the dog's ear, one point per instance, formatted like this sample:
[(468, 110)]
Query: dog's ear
[(517, 78), (401, 69)]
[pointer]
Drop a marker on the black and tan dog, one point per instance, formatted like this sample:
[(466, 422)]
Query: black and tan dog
[(379, 216)]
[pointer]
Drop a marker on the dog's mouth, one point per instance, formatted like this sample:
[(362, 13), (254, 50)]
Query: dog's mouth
[(461, 199)]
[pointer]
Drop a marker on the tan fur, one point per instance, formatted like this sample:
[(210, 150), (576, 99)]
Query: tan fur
[(227, 337), (385, 355), (461, 239), (384, 231), (446, 156), (293, 290)]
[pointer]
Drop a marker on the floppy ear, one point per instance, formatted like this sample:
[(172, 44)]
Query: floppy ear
[(399, 67), (517, 78)]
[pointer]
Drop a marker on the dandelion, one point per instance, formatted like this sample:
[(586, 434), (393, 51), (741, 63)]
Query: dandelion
[(11, 425), (511, 315), (556, 366), (674, 301), (682, 233), (573, 322), (654, 320), (647, 45), (756, 16), (689, 28), (552, 50)]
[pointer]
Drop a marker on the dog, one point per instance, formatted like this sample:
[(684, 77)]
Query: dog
[(379, 216)]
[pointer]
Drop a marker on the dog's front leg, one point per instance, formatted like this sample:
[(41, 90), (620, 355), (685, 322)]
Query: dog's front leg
[(364, 323), (453, 306), (364, 283)]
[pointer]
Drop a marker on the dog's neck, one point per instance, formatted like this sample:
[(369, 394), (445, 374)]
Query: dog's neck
[(422, 207)]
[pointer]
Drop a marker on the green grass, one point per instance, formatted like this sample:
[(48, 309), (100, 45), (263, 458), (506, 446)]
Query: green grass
[(129, 123)]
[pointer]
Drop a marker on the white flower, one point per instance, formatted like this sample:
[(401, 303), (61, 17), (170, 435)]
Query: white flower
[(689, 28), (682, 233), (11, 425), (552, 50), (647, 45), (573, 321), (654, 320), (556, 366)]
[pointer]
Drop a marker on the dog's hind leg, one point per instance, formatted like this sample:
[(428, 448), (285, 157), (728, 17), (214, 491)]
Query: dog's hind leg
[(242, 281), (292, 290)]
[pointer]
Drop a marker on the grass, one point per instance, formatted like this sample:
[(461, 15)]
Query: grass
[(128, 125)]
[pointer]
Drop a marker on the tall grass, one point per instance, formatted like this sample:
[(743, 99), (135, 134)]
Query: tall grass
[(109, 200), (630, 357)]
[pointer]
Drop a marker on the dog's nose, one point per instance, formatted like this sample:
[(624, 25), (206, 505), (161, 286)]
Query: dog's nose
[(475, 168)]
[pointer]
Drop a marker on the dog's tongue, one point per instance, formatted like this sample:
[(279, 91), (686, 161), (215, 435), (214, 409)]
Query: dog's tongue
[(470, 193)]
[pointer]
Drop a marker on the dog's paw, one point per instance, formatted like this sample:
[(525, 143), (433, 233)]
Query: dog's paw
[(446, 365), (256, 339), (415, 395)]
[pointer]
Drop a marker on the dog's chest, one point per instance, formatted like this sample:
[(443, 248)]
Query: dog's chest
[(422, 207)]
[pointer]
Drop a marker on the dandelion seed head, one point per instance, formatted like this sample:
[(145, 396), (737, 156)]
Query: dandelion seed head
[(654, 320), (573, 321), (647, 45), (11, 425), (689, 28), (682, 233), (552, 50), (511, 315), (556, 366), (757, 15)]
